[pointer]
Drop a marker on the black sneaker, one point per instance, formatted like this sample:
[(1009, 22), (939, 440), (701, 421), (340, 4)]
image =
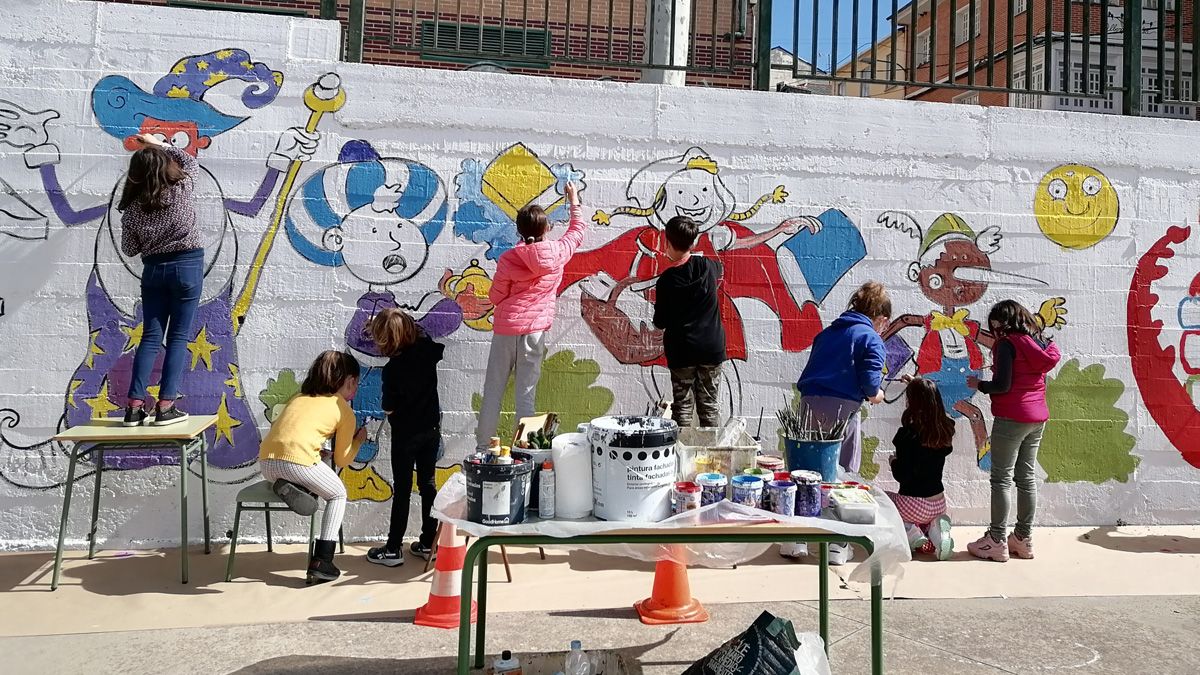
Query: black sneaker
[(382, 555), (421, 550), (135, 417), (171, 415)]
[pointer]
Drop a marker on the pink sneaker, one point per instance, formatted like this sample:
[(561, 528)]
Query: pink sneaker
[(987, 548), (1020, 547)]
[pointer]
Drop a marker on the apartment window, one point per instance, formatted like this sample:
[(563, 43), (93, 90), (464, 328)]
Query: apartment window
[(1019, 6), (969, 98), (471, 41), (1025, 99), (1153, 4), (962, 24), (923, 48)]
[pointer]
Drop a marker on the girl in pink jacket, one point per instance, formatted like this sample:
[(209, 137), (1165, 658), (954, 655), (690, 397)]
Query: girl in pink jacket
[(1022, 357), (524, 294)]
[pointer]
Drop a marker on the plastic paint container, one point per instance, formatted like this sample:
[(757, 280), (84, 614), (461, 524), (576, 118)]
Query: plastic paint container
[(748, 491), (808, 493), (712, 486), (826, 489), (770, 462), (782, 495), (685, 496), (633, 467)]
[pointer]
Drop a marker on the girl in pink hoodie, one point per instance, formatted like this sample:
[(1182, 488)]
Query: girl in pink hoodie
[(524, 293), (1022, 357)]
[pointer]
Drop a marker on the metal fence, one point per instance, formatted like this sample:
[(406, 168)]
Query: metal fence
[(1135, 56), (709, 36)]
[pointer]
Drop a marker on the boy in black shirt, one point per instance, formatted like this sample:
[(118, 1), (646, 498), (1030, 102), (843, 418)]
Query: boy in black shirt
[(686, 309)]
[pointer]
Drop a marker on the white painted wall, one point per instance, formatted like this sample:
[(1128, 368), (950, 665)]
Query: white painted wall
[(863, 157)]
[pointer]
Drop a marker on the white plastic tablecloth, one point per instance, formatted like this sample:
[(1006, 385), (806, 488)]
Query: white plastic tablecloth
[(887, 533)]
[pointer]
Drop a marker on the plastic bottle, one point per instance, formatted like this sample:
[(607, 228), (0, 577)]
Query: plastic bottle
[(546, 491), (493, 451), (505, 456), (507, 664), (577, 660)]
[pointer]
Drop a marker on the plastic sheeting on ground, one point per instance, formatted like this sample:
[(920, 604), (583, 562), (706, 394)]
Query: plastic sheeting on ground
[(887, 534)]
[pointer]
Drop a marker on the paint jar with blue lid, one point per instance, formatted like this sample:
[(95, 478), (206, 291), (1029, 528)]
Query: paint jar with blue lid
[(712, 487), (748, 491)]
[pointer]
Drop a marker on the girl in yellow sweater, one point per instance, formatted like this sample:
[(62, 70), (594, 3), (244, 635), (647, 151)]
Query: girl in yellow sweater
[(290, 455)]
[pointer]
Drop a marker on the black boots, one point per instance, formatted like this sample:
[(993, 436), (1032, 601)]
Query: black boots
[(321, 567)]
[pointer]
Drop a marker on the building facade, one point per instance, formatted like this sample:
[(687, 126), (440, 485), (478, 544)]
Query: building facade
[(587, 39)]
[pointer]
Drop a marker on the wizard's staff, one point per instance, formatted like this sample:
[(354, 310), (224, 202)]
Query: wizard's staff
[(323, 96)]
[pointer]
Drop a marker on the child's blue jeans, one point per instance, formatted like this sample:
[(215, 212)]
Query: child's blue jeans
[(171, 286)]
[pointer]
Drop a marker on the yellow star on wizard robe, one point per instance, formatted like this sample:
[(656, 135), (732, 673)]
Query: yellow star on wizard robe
[(202, 349), (94, 350), (101, 406), (226, 422), (133, 336), (234, 382), (71, 393)]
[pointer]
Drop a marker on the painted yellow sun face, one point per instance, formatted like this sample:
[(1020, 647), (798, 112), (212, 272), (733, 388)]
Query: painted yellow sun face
[(1076, 206)]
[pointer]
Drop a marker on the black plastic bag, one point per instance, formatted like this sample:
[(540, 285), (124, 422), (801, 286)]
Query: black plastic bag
[(768, 647)]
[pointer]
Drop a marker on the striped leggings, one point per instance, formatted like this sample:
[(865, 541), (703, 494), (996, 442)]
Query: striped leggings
[(319, 478)]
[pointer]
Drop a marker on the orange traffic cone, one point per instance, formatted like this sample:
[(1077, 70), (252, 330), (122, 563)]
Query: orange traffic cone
[(443, 608), (671, 599)]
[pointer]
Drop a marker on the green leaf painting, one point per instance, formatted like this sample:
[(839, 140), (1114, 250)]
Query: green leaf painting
[(279, 390), (567, 387), (1085, 439)]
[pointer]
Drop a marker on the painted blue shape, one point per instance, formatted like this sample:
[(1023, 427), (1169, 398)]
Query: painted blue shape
[(824, 258), (897, 355), (362, 180)]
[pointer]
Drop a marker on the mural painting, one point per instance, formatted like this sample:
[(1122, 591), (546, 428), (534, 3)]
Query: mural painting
[(1076, 206), (376, 218), (176, 111), (1167, 396), (617, 280), (953, 269)]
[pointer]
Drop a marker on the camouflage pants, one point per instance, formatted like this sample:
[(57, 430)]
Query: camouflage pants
[(697, 387)]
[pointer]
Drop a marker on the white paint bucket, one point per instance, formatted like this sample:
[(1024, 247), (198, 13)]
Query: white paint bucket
[(633, 467)]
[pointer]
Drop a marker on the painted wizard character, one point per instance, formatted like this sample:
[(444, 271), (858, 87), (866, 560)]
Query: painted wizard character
[(176, 111)]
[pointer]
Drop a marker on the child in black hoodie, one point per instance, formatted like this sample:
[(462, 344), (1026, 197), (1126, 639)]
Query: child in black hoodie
[(687, 310), (410, 400)]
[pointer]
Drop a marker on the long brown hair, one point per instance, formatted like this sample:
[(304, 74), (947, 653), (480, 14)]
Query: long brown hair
[(872, 301), (393, 331), (1014, 319), (925, 413), (532, 223), (152, 173), (328, 373)]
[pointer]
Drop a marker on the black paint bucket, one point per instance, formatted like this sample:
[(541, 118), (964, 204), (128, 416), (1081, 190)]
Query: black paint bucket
[(496, 492)]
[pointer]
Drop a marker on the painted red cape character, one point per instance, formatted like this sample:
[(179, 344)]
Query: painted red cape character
[(689, 185)]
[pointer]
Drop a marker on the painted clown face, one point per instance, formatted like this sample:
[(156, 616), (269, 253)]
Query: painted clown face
[(183, 135), (1076, 206), (948, 280), (379, 248), (693, 193)]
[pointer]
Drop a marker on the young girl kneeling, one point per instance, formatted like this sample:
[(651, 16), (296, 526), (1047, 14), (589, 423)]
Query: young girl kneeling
[(291, 451), (924, 440)]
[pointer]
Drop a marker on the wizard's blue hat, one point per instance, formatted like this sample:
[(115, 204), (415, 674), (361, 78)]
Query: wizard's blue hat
[(121, 106)]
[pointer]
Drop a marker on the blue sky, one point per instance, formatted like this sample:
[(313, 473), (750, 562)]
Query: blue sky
[(783, 21)]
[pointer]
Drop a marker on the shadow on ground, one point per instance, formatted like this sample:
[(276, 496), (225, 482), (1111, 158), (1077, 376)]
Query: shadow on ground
[(1112, 539)]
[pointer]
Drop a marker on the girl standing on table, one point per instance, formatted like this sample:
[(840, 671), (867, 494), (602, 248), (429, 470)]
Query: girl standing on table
[(1022, 357), (410, 400), (923, 441), (525, 294), (290, 456), (158, 222), (844, 370)]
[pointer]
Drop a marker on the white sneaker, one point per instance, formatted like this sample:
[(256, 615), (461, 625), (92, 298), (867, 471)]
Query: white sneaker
[(840, 554), (916, 538), (939, 537), (794, 551)]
